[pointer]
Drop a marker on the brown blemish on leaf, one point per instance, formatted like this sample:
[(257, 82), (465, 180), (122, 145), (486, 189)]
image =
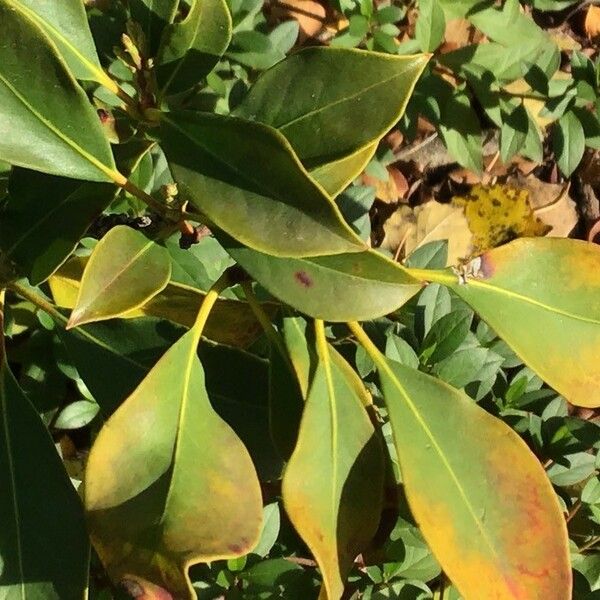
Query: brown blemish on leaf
[(144, 590), (235, 548), (303, 279), (133, 588), (486, 268)]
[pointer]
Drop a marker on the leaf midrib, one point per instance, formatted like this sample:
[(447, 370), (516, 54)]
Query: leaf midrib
[(527, 299)]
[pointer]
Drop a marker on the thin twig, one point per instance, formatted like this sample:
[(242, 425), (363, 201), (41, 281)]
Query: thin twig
[(406, 152)]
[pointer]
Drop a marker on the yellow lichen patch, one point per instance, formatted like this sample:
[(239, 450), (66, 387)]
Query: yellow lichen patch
[(498, 214)]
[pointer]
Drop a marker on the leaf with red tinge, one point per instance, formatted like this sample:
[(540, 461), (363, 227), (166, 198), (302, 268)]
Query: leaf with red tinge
[(168, 483), (480, 497), (542, 296)]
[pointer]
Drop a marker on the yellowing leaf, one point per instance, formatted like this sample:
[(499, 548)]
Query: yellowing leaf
[(592, 22), (332, 487), (124, 271), (542, 296), (498, 214), (480, 497), (186, 489)]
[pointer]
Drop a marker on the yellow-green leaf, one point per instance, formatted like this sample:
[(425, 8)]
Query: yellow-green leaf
[(335, 176), (480, 497), (369, 284), (125, 270), (542, 296), (187, 490), (332, 487), (230, 322)]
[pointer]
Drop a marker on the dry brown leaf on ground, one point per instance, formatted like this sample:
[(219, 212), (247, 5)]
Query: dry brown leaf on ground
[(397, 228), (458, 34), (532, 104), (311, 16), (411, 228), (390, 191), (551, 204), (436, 221), (592, 22)]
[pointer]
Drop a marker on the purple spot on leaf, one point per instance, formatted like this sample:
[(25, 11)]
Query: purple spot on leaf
[(303, 279)]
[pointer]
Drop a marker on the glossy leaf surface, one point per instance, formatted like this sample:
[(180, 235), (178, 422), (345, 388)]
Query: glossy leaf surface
[(47, 122), (369, 284), (332, 487), (543, 297), (245, 178), (310, 91), (190, 49), (476, 491), (45, 217), (124, 271), (65, 23), (177, 500), (44, 548)]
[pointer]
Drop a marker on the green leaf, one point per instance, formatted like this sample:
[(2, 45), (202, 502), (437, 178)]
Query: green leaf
[(477, 496), (461, 131), (189, 50), (153, 17), (574, 469), (370, 284), (431, 25), (44, 549), (513, 133), (333, 484), (45, 217), (310, 91), (77, 414), (178, 497), (446, 335), (47, 122), (66, 24), (335, 176), (246, 180), (568, 141), (125, 270), (536, 291)]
